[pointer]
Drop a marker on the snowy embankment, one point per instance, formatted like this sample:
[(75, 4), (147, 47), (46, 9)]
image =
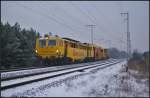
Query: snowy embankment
[(35, 77), (47, 69), (112, 81), (40, 70)]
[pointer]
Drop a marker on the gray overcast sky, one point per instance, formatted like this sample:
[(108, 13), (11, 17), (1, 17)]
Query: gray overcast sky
[(68, 19)]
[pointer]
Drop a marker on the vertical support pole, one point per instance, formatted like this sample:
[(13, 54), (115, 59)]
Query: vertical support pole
[(128, 36)]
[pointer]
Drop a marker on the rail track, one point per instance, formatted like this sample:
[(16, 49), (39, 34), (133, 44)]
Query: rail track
[(19, 81), (27, 72), (29, 68), (18, 69)]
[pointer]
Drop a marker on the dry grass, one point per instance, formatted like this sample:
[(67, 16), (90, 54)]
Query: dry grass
[(140, 66)]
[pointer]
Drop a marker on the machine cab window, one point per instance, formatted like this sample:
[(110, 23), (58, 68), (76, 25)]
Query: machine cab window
[(42, 43), (52, 43)]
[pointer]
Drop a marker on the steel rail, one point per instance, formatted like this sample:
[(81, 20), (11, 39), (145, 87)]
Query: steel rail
[(29, 68), (32, 74)]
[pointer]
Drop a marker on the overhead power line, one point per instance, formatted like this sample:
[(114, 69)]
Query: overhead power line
[(91, 19), (47, 16), (75, 19), (95, 20), (107, 19), (87, 15), (75, 6), (60, 18)]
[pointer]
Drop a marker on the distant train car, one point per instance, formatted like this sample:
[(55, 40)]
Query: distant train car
[(105, 54), (64, 50), (98, 53)]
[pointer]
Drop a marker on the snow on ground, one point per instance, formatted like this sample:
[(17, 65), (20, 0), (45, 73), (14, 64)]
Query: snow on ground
[(15, 81), (112, 81)]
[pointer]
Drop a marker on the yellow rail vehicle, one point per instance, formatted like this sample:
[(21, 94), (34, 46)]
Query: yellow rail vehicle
[(50, 47), (66, 50), (53, 48), (74, 50)]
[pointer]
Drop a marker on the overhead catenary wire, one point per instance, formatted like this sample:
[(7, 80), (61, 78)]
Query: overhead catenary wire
[(93, 19), (75, 19), (60, 18), (47, 16), (85, 14), (108, 20)]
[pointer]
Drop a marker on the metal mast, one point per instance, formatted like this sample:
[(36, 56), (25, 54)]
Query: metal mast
[(92, 27), (128, 35)]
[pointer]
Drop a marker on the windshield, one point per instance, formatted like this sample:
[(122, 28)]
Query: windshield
[(42, 43), (52, 42)]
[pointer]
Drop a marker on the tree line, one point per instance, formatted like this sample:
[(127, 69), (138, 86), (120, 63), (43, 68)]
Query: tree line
[(116, 53), (16, 46), (135, 56)]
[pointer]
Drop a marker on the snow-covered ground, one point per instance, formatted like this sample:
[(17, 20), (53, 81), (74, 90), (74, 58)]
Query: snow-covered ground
[(111, 81), (19, 80)]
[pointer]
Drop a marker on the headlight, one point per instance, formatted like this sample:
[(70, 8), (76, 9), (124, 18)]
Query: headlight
[(36, 51), (57, 51)]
